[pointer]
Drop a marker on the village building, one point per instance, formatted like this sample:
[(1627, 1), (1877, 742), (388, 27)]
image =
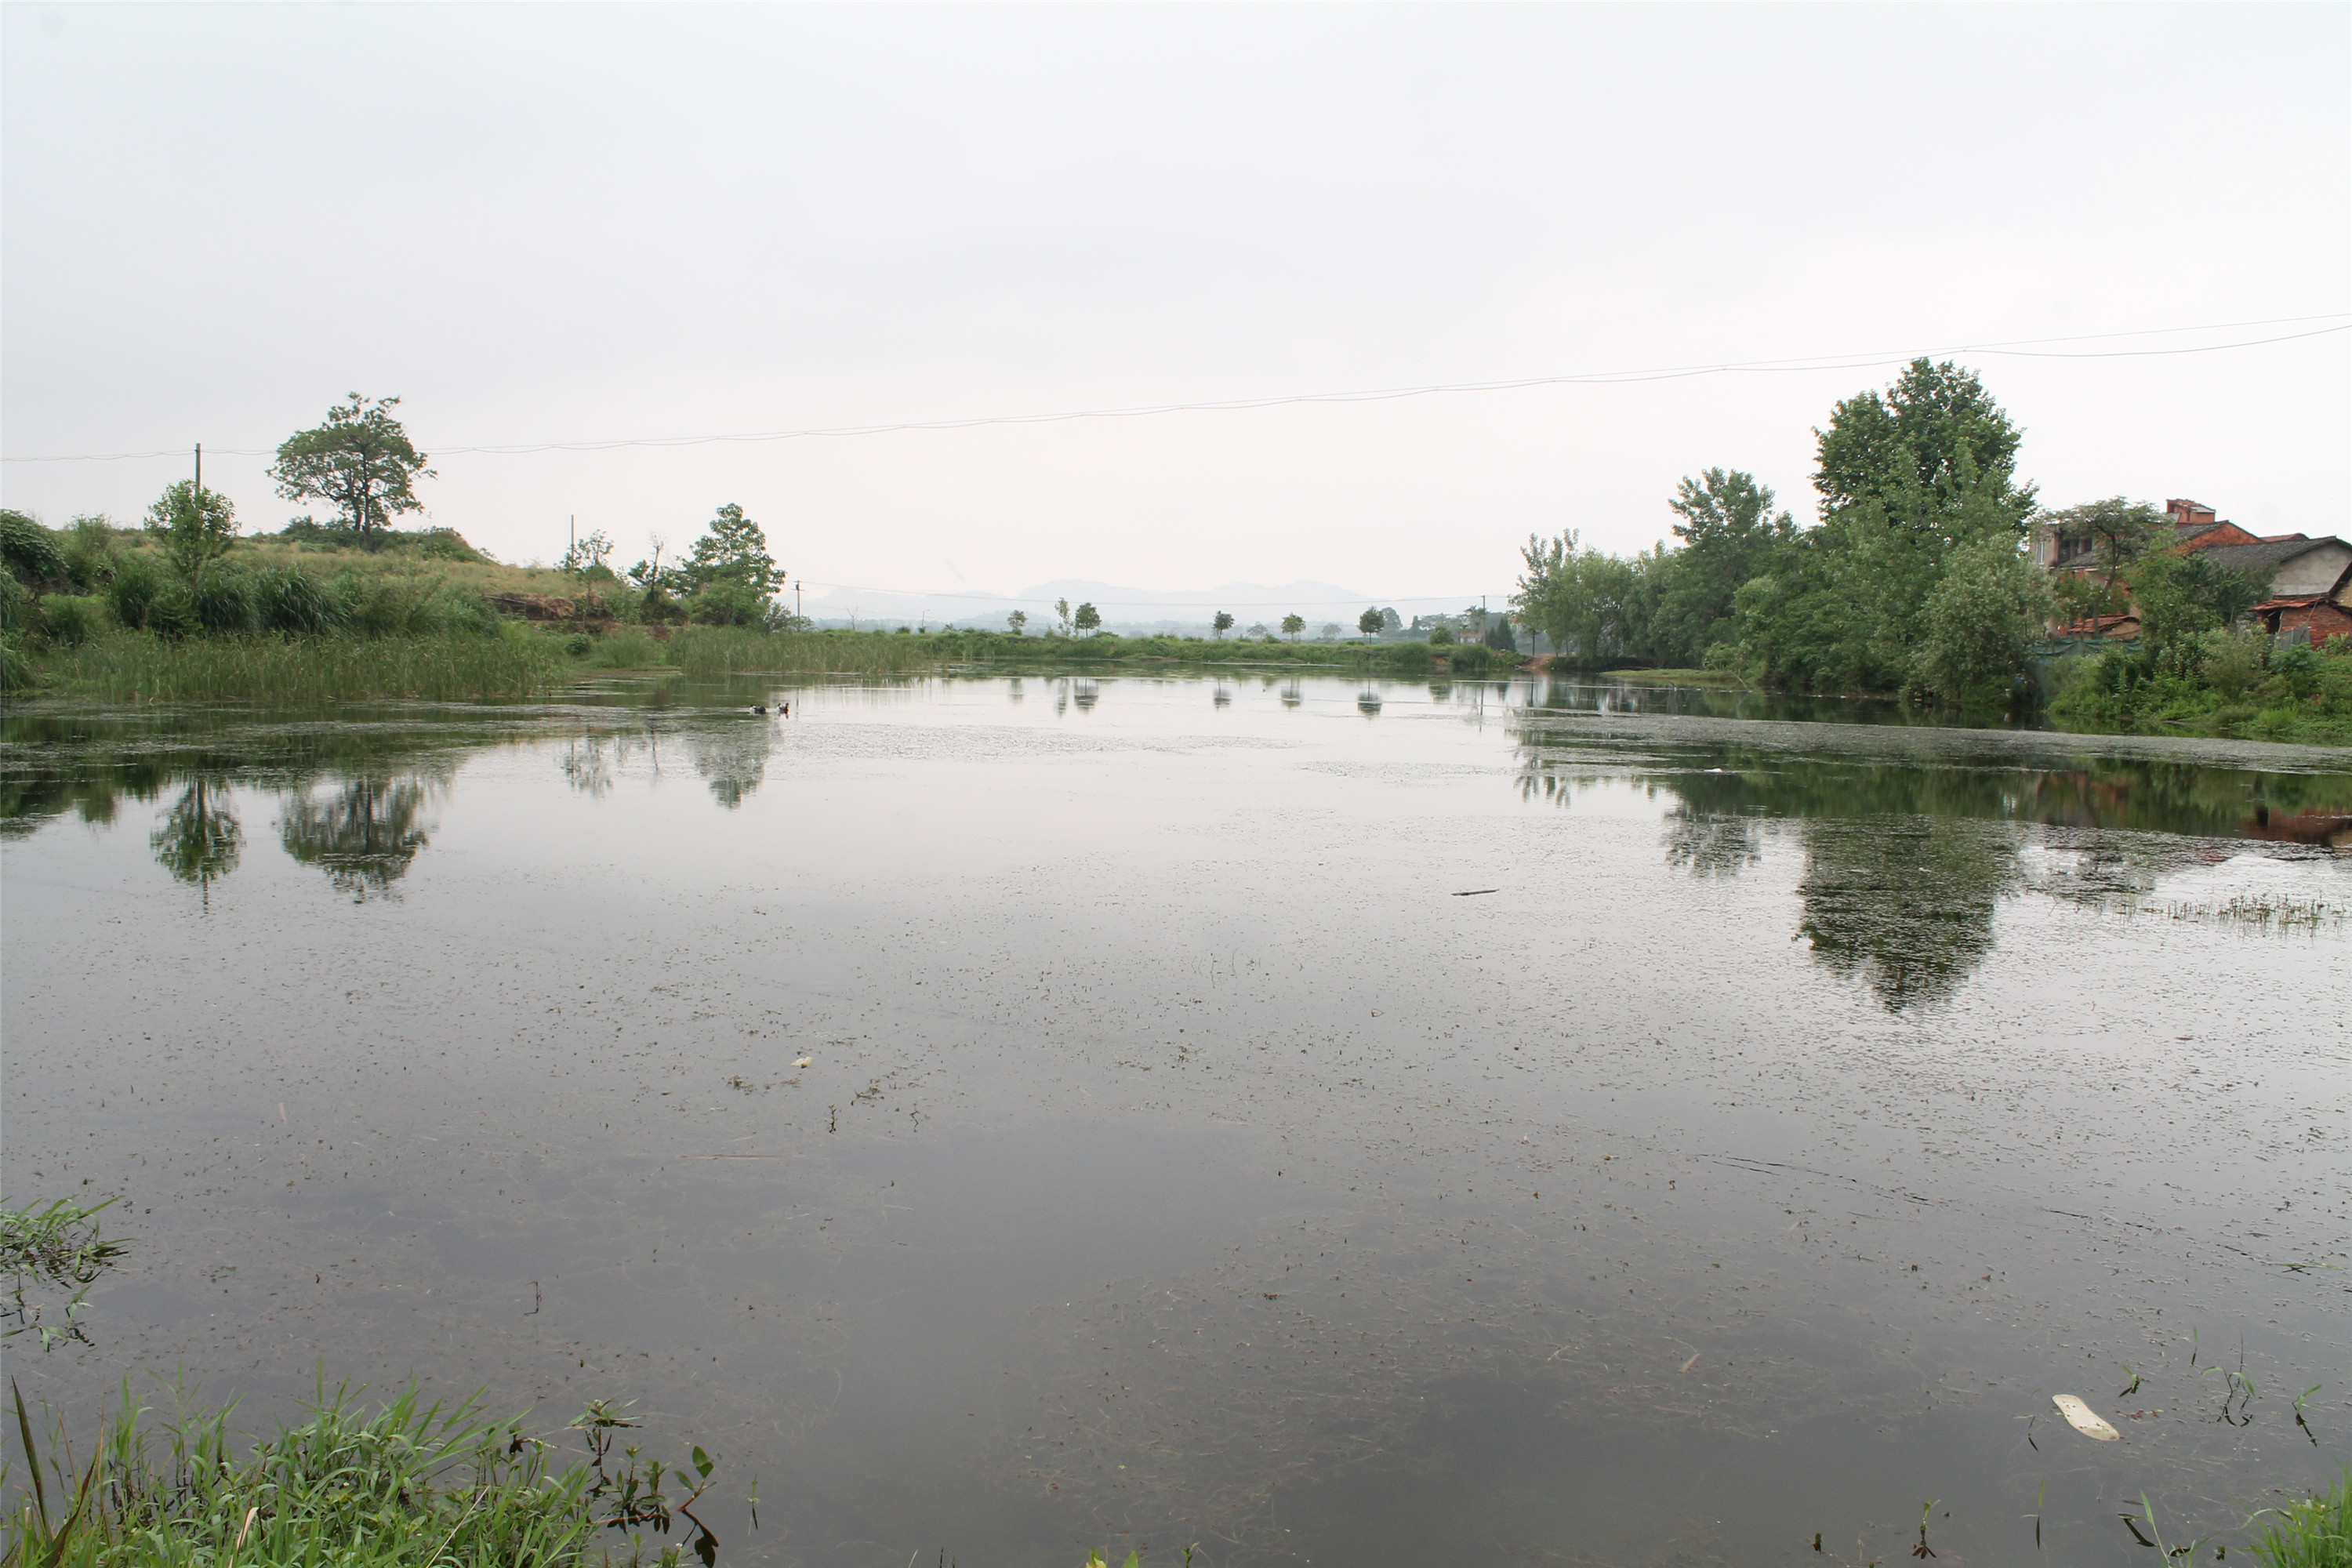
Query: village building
[(2304, 597)]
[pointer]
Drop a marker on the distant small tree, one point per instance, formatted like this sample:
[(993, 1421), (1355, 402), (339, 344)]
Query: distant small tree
[(734, 550), (1088, 619), (194, 527), (1442, 634), (585, 559), (1062, 610), (2116, 531), (1292, 625), (1017, 620), (360, 461), (1330, 632), (1368, 623), (1223, 624)]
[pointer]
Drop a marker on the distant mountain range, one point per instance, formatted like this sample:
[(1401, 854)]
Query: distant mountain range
[(1121, 606)]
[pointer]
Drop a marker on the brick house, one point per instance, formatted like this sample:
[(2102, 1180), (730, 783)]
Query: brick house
[(2314, 617)]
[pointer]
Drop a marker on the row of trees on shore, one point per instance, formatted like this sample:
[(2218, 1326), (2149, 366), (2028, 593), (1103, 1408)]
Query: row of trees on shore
[(1915, 577)]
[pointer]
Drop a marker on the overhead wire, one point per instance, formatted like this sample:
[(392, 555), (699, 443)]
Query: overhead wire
[(2020, 348)]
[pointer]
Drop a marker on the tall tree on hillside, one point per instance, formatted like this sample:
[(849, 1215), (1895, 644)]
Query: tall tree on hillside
[(360, 462), (734, 550)]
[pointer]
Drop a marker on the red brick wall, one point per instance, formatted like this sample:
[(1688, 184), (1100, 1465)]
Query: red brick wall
[(2324, 620)]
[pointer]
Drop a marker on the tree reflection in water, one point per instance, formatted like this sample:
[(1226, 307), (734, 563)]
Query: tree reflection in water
[(1912, 842), (1906, 904), (199, 837), (364, 834), (733, 758)]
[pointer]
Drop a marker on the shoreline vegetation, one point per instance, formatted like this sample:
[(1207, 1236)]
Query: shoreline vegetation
[(1914, 586), (407, 1485)]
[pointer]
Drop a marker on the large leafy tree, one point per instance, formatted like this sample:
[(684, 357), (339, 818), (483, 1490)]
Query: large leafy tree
[(1907, 479), (1935, 430), (1980, 620), (360, 462), (1729, 534)]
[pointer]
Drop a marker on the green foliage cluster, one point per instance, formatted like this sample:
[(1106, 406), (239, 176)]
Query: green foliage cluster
[(2315, 1532), (61, 1247), (1915, 577), (2244, 685), (410, 1485)]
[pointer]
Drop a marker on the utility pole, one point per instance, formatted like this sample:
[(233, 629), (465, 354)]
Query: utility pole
[(200, 468)]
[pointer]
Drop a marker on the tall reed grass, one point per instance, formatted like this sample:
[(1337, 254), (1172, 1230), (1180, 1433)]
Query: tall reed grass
[(135, 666), (727, 650)]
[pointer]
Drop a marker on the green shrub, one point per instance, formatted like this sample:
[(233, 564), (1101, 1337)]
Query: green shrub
[(290, 601), (68, 620), (30, 551), (1410, 659), (15, 670), (579, 645), (15, 603), (222, 607), (629, 650), (90, 553), (1474, 659)]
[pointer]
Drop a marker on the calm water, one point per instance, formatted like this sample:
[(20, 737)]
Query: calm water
[(1371, 1125)]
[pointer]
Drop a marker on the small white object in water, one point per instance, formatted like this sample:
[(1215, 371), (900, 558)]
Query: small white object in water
[(2083, 1419), (802, 1062)]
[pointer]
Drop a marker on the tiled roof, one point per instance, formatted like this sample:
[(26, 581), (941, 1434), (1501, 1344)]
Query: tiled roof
[(2273, 553)]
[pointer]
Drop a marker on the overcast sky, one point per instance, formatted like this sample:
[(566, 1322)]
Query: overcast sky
[(557, 224)]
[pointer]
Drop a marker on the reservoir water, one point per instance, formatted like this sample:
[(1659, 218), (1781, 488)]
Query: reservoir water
[(1306, 1119)]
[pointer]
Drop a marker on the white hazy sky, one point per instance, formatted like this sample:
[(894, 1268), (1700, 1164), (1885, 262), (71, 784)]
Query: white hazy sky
[(558, 223)]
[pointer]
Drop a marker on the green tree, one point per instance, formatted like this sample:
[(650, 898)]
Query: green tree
[(2179, 597), (1905, 480), (1593, 605), (1222, 623), (1017, 620), (734, 549), (194, 527), (1981, 618), (359, 462), (585, 559), (1370, 622), (1088, 619), (2117, 531), (1729, 534), (1062, 612), (1292, 625), (1935, 430)]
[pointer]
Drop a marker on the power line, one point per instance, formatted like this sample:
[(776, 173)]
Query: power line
[(2014, 348)]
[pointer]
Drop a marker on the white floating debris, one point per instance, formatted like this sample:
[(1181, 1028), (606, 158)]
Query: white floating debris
[(802, 1062), (2083, 1419)]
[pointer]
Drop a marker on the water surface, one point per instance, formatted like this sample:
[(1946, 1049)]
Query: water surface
[(1321, 1121)]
